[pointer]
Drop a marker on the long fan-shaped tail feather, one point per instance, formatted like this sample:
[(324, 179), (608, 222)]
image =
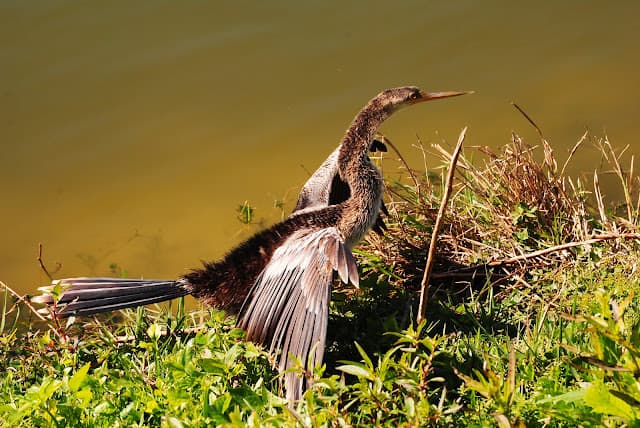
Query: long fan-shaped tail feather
[(87, 296)]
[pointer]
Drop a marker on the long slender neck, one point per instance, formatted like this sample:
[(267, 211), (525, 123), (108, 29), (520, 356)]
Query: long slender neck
[(363, 178), (357, 140)]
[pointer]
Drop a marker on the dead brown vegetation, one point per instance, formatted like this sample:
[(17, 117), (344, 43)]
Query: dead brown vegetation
[(511, 213)]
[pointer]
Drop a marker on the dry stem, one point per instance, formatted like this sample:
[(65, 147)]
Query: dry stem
[(554, 249), (28, 304), (424, 286), (42, 266)]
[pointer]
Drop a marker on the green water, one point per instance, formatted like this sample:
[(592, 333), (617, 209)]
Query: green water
[(131, 131)]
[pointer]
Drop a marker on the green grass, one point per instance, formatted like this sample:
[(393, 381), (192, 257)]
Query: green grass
[(552, 340)]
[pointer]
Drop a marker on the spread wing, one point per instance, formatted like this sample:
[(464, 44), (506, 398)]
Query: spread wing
[(316, 191), (325, 187), (288, 307)]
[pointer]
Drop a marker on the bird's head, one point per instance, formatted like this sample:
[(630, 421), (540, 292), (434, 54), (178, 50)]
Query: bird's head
[(391, 100)]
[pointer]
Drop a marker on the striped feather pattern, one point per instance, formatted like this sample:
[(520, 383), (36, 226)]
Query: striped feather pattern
[(288, 307), (87, 296)]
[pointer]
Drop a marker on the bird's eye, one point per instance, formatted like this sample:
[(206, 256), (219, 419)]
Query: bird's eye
[(414, 96)]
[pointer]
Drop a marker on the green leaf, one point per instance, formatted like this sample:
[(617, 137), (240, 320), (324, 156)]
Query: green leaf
[(222, 403), (151, 406), (602, 401), (84, 395), (211, 365), (154, 331), (357, 370), (567, 397), (78, 377), (41, 393), (364, 355)]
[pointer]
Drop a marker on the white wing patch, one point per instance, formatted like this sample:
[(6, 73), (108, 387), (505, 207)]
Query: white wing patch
[(315, 192), (288, 307)]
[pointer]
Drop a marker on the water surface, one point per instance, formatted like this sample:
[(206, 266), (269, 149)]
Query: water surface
[(131, 131)]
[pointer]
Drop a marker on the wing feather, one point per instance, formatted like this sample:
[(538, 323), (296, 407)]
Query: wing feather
[(317, 189), (342, 268), (288, 306), (353, 269)]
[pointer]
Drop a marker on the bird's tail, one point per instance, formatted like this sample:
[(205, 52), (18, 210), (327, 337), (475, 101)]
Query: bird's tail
[(86, 296)]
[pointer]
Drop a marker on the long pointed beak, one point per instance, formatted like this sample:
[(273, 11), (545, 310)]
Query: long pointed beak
[(428, 96)]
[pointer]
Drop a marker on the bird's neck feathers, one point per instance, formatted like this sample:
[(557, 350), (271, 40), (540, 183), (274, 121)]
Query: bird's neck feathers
[(357, 140), (363, 178)]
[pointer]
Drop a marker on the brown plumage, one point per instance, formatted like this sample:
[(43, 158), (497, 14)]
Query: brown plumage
[(288, 267), (223, 284)]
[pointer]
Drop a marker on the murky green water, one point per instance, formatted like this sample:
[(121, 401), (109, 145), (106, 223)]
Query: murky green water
[(131, 131)]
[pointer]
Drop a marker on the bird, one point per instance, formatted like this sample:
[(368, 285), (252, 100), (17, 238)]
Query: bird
[(287, 308), (88, 296), (286, 269)]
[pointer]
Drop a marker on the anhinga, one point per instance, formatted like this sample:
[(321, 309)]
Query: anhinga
[(280, 279), (88, 296)]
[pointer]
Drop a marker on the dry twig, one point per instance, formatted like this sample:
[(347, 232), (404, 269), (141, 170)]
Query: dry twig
[(28, 304), (41, 262), (534, 254), (424, 285)]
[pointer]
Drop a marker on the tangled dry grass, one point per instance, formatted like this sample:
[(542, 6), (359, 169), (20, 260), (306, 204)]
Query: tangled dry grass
[(511, 213)]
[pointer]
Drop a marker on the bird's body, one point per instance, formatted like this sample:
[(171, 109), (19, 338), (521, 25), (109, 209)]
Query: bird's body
[(223, 284), (280, 279)]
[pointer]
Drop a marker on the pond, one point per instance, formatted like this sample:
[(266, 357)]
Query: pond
[(132, 131)]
